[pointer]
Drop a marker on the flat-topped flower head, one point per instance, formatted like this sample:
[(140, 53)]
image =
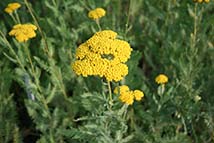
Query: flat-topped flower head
[(105, 56), (161, 79), (11, 7), (96, 13), (138, 95), (23, 32), (128, 96)]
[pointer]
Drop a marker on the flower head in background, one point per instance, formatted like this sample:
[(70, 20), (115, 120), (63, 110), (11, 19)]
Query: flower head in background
[(197, 98), (161, 79), (23, 32), (206, 1), (103, 55), (128, 96), (11, 7), (200, 1), (96, 13)]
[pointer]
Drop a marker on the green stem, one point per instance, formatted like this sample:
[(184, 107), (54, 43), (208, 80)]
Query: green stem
[(184, 124), (119, 4), (51, 137), (39, 28), (32, 67), (162, 89), (193, 39), (195, 25), (194, 33), (110, 95), (14, 19), (98, 24), (17, 17), (29, 58), (132, 120), (194, 133), (127, 20), (61, 85), (43, 100), (125, 106)]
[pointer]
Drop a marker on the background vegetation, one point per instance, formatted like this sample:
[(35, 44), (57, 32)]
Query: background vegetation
[(49, 103)]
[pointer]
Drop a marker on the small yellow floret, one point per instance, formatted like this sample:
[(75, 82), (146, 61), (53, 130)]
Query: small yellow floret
[(161, 79), (127, 96), (138, 95), (96, 13), (12, 7), (23, 32), (8, 10)]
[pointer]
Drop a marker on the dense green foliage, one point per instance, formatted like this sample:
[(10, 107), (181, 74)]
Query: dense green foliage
[(46, 102)]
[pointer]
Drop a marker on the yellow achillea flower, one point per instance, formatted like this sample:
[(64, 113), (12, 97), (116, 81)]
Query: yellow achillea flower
[(127, 96), (96, 13), (138, 95), (200, 1), (23, 32), (103, 55), (12, 7), (161, 79)]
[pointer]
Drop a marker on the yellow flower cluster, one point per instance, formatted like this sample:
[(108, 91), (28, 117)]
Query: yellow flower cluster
[(23, 32), (200, 1), (96, 13), (127, 96), (161, 79), (103, 55), (12, 7)]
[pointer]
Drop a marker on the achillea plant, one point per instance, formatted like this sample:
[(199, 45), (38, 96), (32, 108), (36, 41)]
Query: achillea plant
[(60, 107)]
